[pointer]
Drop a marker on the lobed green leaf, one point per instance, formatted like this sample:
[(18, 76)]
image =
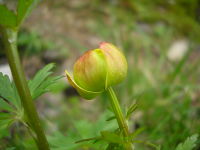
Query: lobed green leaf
[(8, 93), (23, 9), (189, 143), (7, 17), (111, 137), (42, 81), (10, 105)]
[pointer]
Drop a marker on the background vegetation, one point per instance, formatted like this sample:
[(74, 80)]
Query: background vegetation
[(161, 42)]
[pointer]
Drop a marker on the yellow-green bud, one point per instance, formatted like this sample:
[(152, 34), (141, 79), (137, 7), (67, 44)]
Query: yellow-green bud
[(98, 69)]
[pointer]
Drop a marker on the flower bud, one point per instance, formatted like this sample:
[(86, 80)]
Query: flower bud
[(98, 69)]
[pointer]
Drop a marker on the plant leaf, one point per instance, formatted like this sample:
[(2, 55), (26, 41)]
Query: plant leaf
[(5, 123), (4, 116), (114, 146), (7, 17), (111, 118), (9, 93), (88, 139), (131, 109), (136, 133), (42, 81), (82, 130), (10, 105), (5, 106), (23, 9), (111, 137), (189, 143)]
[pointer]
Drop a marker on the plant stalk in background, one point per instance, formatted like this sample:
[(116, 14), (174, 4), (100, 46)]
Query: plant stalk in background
[(10, 45)]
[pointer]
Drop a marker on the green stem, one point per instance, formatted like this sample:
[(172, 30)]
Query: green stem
[(119, 116), (10, 44)]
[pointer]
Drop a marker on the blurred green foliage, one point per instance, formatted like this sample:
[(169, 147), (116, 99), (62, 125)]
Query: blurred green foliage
[(166, 91), (37, 44), (181, 15)]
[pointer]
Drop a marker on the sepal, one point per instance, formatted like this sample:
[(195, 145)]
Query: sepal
[(84, 93)]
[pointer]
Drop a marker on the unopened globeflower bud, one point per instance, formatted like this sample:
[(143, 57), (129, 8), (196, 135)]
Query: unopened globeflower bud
[(98, 69)]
